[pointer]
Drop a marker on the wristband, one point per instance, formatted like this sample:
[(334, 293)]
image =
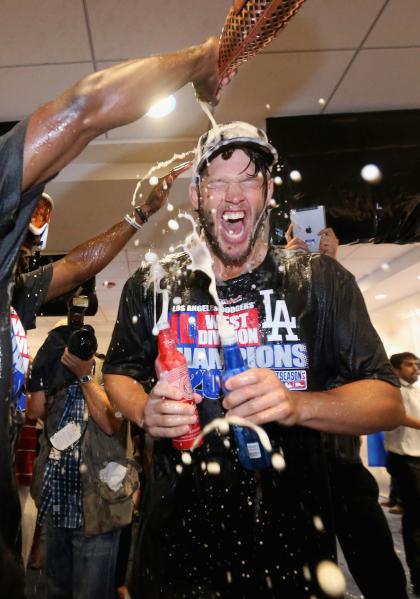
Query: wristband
[(85, 378), (132, 221), (142, 216)]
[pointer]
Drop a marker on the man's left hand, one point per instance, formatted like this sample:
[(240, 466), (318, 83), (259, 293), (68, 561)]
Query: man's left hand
[(76, 365), (258, 395)]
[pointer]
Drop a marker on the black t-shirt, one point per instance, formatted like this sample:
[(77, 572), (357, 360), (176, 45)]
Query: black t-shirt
[(29, 293), (15, 213), (16, 208), (48, 373), (304, 318)]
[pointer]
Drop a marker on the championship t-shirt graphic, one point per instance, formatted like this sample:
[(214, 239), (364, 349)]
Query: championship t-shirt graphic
[(266, 332)]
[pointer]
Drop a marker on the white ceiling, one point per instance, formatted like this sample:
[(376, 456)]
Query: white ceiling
[(357, 55)]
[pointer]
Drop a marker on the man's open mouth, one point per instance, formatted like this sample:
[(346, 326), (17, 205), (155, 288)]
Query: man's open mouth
[(234, 224)]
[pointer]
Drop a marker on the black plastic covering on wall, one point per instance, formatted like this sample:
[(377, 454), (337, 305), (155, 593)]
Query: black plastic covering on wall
[(329, 151)]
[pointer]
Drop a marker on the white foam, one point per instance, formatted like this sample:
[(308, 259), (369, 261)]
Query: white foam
[(330, 578), (277, 461), (233, 420), (213, 468), (186, 458), (173, 224), (151, 257)]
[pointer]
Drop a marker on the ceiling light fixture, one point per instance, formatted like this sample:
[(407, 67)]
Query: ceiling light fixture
[(380, 296), (162, 108)]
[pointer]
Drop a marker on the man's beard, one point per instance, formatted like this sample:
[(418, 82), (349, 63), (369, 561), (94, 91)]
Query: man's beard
[(208, 225)]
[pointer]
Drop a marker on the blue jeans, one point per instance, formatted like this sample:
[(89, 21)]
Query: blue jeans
[(80, 567)]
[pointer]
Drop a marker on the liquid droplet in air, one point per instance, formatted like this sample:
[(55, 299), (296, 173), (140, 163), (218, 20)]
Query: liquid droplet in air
[(186, 458), (330, 578), (151, 257), (173, 224)]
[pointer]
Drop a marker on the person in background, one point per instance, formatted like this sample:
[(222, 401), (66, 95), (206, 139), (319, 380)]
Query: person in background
[(33, 288), (83, 478), (31, 154), (359, 521), (403, 446)]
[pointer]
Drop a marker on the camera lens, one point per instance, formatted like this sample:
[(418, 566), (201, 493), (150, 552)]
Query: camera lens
[(82, 342)]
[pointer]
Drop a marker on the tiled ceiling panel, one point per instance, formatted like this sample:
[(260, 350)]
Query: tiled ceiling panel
[(288, 83), (28, 87), (399, 25), (45, 31), (130, 28), (328, 24), (380, 80)]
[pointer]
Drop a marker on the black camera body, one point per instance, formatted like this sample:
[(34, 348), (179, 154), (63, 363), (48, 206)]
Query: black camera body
[(82, 341)]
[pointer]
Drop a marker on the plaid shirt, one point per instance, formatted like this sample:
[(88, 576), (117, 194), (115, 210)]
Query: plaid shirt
[(61, 491)]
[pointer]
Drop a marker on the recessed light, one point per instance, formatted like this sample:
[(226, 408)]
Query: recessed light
[(381, 296), (418, 277), (162, 108), (385, 266)]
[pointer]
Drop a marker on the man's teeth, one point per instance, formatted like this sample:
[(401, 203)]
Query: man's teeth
[(233, 215)]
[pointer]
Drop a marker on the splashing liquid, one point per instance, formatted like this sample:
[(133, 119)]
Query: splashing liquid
[(207, 111), (201, 258), (157, 167), (157, 273)]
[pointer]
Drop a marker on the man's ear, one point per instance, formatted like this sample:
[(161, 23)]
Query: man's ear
[(193, 192), (270, 188)]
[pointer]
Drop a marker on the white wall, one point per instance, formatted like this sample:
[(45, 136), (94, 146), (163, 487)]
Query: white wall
[(398, 325)]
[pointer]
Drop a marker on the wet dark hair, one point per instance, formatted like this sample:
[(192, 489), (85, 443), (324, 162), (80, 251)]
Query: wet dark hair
[(260, 160), (397, 359)]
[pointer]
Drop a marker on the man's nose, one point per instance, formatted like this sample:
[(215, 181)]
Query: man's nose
[(234, 192)]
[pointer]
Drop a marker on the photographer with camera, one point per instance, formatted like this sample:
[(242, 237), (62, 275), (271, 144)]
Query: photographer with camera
[(83, 478)]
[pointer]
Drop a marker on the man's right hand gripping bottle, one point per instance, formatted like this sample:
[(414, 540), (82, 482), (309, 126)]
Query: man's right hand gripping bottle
[(251, 453)]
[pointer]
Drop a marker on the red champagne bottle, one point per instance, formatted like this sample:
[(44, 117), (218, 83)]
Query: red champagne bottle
[(171, 367)]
